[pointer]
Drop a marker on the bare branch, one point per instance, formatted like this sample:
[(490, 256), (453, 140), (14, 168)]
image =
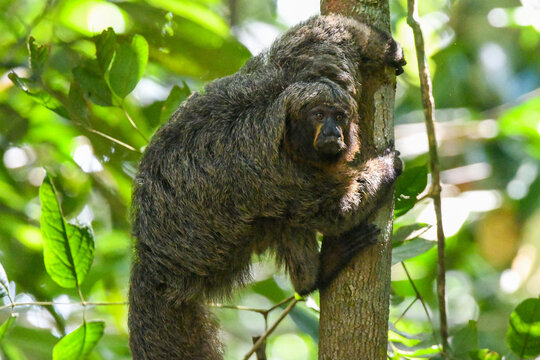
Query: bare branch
[(435, 191), (53, 303), (272, 328)]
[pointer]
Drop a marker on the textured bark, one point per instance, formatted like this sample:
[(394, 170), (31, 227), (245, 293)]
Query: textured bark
[(355, 307)]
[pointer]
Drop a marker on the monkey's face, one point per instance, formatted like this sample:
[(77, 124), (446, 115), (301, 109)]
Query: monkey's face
[(329, 125), (320, 124), (319, 134)]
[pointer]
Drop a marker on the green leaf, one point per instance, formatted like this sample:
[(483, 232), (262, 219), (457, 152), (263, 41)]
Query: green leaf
[(523, 336), (404, 232), (4, 329), (105, 48), (93, 83), (68, 250), (79, 343), (484, 354), (38, 57), (466, 339), (41, 97), (410, 249), (77, 104), (175, 98), (4, 282), (411, 183), (128, 66)]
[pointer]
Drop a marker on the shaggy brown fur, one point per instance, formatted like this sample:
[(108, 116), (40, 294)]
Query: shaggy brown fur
[(225, 178)]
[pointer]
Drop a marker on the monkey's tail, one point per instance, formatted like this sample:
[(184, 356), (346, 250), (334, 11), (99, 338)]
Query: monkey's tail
[(161, 329)]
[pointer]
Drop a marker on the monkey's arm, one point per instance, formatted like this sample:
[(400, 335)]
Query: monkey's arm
[(371, 187)]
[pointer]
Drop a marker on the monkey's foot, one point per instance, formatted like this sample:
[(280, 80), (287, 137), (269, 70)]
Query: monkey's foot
[(338, 251)]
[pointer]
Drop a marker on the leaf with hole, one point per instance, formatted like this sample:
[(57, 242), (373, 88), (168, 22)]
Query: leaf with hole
[(93, 83), (68, 250), (38, 57), (408, 186), (79, 343)]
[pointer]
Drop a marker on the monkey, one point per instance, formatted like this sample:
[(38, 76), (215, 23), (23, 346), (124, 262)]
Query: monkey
[(261, 160)]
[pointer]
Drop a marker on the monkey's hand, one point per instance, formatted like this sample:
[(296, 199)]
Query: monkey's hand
[(382, 171), (393, 56), (337, 251)]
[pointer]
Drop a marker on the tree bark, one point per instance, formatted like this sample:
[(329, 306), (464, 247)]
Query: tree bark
[(355, 306)]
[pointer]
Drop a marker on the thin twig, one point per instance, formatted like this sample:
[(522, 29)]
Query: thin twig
[(405, 311), (133, 124), (129, 147), (257, 310), (419, 297), (272, 328), (52, 303), (435, 191), (239, 307)]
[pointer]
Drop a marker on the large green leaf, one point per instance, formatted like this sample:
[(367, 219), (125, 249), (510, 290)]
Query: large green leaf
[(68, 250), (79, 343), (128, 65), (523, 334), (408, 186)]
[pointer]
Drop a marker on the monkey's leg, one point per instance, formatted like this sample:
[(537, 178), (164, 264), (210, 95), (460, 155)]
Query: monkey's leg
[(337, 251), (299, 252)]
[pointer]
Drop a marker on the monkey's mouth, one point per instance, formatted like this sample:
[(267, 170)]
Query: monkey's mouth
[(330, 146)]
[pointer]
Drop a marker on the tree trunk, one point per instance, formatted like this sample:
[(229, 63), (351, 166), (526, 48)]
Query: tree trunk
[(355, 306)]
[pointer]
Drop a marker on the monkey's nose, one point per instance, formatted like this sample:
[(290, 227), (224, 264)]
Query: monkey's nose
[(330, 132), (330, 145)]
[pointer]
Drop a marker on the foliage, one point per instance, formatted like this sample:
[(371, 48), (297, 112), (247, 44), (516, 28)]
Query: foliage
[(86, 83)]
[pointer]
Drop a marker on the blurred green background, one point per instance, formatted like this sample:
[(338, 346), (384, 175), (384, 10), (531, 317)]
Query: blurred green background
[(484, 58)]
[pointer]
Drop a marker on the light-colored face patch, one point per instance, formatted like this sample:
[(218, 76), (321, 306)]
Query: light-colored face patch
[(317, 132)]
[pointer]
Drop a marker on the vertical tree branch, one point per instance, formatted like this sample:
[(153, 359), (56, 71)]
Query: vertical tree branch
[(435, 190), (355, 306)]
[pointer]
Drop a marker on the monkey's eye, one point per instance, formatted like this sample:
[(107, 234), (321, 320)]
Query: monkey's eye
[(339, 117), (319, 116)]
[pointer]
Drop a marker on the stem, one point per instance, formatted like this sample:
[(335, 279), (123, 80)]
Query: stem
[(52, 303), (435, 191), (272, 328), (133, 123)]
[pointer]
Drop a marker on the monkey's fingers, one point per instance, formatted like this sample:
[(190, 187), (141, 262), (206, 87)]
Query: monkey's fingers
[(394, 57)]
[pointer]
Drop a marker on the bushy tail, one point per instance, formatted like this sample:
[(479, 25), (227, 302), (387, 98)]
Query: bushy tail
[(160, 329)]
